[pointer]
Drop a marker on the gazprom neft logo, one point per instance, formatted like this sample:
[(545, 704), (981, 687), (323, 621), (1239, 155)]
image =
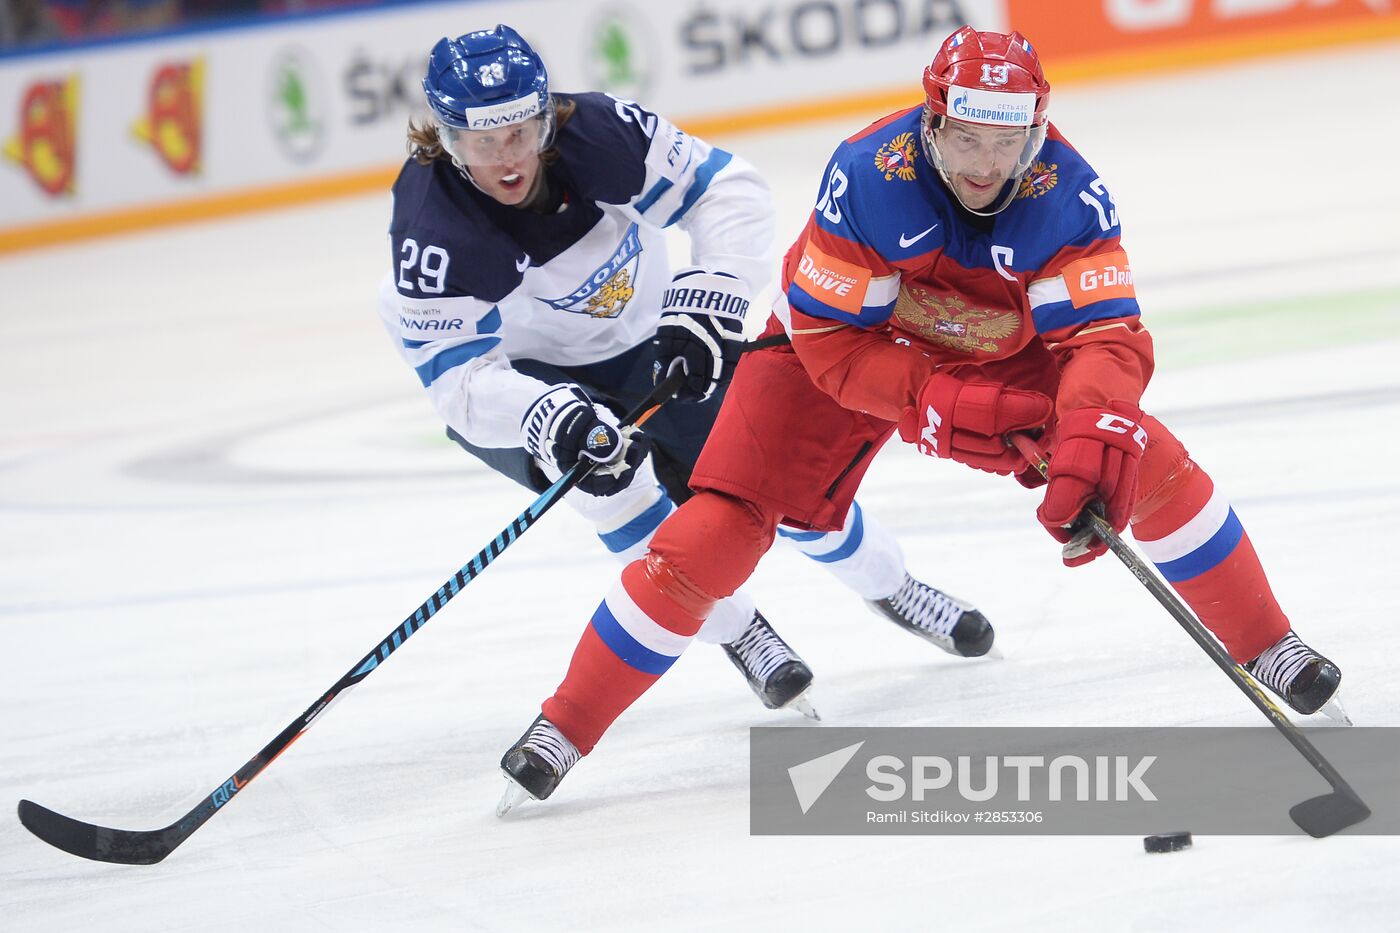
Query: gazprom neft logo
[(512, 111), (996, 108)]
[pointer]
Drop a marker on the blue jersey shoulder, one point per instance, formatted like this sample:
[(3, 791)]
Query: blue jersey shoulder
[(603, 147), (1063, 203), (880, 191), (444, 244)]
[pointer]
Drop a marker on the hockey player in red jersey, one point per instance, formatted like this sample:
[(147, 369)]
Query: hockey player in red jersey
[(961, 277)]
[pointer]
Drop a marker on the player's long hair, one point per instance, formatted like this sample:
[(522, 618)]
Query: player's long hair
[(425, 146)]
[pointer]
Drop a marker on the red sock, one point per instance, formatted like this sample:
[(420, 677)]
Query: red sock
[(703, 552), (1200, 547), (635, 635)]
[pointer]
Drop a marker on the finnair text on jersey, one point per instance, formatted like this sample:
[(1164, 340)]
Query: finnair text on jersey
[(431, 324)]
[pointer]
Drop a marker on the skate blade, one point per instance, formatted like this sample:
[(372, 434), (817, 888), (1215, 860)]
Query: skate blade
[(994, 653), (803, 704), (514, 796), (1334, 711)]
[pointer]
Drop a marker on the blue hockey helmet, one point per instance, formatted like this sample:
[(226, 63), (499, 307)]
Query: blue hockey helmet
[(482, 83)]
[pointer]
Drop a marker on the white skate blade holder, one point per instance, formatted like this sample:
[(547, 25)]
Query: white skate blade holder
[(1334, 711), (512, 797), (802, 703)]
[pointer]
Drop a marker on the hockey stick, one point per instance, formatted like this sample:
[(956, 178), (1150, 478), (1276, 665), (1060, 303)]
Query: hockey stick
[(136, 847), (1317, 816)]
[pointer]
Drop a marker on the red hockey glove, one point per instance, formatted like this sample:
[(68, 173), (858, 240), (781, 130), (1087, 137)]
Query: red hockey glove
[(966, 421), (1096, 457)]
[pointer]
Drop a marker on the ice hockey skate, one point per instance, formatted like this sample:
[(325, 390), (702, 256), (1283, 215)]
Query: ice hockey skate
[(951, 624), (774, 671), (535, 764), (1304, 679)]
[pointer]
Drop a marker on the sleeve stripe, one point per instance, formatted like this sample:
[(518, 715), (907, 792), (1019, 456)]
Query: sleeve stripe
[(651, 197), (1048, 291), (1084, 332), (1052, 317), (813, 307), (453, 357), (882, 291), (703, 176), (876, 306), (817, 330)]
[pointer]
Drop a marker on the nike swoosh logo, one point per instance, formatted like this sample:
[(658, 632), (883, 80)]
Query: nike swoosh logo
[(524, 263), (906, 242)]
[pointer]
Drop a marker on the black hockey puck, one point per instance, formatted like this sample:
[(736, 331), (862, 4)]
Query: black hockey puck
[(1167, 842)]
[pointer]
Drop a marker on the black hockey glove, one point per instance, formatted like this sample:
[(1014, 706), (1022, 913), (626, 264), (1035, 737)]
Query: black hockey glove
[(564, 426), (701, 332)]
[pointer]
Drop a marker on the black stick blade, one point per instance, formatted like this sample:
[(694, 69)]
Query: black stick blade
[(1329, 813), (98, 843)]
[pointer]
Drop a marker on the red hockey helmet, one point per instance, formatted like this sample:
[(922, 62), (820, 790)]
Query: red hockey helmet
[(989, 79), (971, 65)]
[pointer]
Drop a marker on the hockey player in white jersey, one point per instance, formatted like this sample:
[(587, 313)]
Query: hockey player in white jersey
[(532, 294)]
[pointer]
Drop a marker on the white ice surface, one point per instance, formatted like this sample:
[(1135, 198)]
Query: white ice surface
[(219, 488)]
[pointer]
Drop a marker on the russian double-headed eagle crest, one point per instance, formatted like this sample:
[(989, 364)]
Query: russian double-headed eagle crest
[(1039, 180), (947, 321), (896, 158)]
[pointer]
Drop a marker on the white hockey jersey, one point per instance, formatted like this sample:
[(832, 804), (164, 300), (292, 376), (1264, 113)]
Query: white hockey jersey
[(477, 284)]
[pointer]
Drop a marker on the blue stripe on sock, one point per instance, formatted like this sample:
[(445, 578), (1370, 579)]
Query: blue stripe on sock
[(633, 652), (639, 528), (802, 535), (1208, 555), (849, 546)]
